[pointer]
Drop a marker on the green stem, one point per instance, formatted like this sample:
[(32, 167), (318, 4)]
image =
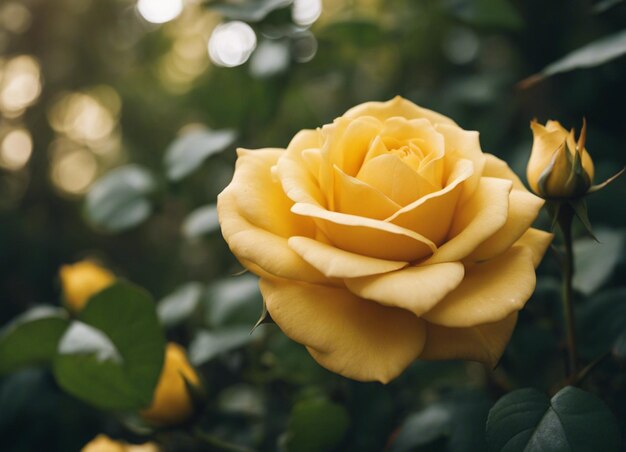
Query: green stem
[(566, 215)]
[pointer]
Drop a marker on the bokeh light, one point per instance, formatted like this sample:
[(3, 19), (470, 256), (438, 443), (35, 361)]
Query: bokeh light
[(73, 170), (232, 43), (15, 17), (306, 12), (20, 84), (159, 11), (15, 149)]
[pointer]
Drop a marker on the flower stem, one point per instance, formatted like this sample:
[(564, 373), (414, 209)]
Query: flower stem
[(565, 217)]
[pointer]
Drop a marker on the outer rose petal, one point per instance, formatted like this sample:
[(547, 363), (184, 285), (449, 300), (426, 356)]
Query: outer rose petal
[(397, 106), (483, 343), (416, 289), (346, 334), (464, 144), (368, 237), (537, 241), (475, 220), (336, 263), (490, 291), (252, 234), (495, 167), (523, 210)]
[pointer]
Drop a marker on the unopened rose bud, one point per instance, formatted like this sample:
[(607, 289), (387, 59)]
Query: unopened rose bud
[(173, 402), (559, 167), (82, 280), (103, 443)]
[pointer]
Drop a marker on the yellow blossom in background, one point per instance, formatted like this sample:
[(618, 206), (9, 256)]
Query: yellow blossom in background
[(172, 402), (386, 236), (81, 280), (103, 443), (559, 166)]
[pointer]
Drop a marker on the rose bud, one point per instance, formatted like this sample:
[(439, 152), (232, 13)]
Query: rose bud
[(103, 443), (559, 166), (82, 280), (173, 402)]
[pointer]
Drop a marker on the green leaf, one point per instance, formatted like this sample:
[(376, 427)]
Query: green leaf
[(112, 356), (234, 301), (31, 339), (316, 424), (600, 322), (459, 416), (249, 11), (200, 222), (486, 13), (619, 346), (358, 32), (180, 304), (594, 54), (572, 421), (119, 200), (596, 260), (207, 345), (188, 152)]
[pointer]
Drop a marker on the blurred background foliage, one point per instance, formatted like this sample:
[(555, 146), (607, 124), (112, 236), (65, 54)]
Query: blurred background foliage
[(118, 126)]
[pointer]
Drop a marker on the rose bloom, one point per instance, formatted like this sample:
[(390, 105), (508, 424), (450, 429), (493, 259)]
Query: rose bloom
[(386, 236)]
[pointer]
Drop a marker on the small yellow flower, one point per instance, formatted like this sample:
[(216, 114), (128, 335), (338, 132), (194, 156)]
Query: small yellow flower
[(559, 167), (103, 443), (82, 280), (172, 403)]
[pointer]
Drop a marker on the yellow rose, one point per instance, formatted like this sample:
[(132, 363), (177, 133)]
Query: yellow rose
[(82, 280), (103, 443), (172, 403), (559, 167), (385, 237)]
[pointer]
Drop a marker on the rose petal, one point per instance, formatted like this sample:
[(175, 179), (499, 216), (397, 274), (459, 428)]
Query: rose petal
[(495, 167), (355, 197), (416, 289), (397, 106), (475, 220), (537, 241), (348, 335), (368, 237), (463, 144), (255, 218), (347, 142), (489, 292), (393, 177), (431, 215), (336, 263), (299, 183), (523, 210), (483, 343)]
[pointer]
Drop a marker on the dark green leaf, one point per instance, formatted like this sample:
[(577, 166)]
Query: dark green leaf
[(32, 338), (200, 222), (619, 346), (600, 321), (119, 200), (112, 357), (594, 54), (572, 421), (180, 304), (188, 152), (316, 424), (249, 11), (207, 345), (486, 13), (233, 301), (596, 260)]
